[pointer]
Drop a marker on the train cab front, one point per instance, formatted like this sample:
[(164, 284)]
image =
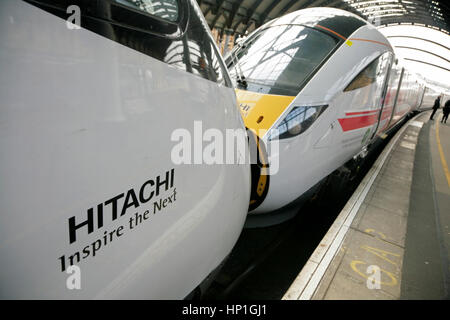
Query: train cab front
[(269, 69), (258, 114), (275, 146)]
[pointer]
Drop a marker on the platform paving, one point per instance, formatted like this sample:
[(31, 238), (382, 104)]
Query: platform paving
[(397, 245)]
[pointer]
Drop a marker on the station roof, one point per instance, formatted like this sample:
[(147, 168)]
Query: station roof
[(243, 16), (426, 51)]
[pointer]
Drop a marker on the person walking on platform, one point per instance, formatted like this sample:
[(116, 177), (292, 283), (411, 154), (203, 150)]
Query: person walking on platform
[(436, 106), (446, 111)]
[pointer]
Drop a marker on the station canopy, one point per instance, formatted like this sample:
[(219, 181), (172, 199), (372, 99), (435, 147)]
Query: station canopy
[(417, 29)]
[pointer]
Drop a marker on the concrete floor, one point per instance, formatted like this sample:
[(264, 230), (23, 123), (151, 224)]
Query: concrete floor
[(397, 245)]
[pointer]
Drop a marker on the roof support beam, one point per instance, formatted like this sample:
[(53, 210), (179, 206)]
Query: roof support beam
[(418, 38), (412, 20), (250, 13), (218, 13), (266, 12), (428, 52), (235, 9), (289, 5), (241, 18), (317, 3), (430, 64), (215, 9)]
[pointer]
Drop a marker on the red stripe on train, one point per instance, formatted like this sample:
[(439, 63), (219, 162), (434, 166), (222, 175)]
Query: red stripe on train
[(354, 123), (361, 112)]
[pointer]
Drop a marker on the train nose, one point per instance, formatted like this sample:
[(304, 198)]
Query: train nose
[(260, 177)]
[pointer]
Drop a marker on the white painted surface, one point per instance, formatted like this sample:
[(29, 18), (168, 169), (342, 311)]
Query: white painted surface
[(84, 119)]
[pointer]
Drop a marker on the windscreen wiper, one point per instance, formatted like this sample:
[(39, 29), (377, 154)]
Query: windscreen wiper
[(240, 78)]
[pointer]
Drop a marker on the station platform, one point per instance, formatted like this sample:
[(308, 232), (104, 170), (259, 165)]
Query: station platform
[(392, 238)]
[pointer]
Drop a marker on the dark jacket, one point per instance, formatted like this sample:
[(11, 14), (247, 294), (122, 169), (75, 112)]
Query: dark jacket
[(437, 103), (446, 109)]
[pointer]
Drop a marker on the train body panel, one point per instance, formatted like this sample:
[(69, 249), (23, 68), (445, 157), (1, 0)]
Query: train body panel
[(408, 96), (429, 96), (353, 93), (87, 174), (339, 133)]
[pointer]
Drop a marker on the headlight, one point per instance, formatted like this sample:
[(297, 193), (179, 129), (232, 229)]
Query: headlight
[(298, 120)]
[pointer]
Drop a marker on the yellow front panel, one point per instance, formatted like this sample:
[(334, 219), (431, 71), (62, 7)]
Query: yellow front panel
[(260, 111)]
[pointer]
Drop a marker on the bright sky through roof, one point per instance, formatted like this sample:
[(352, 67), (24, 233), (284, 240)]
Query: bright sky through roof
[(442, 48)]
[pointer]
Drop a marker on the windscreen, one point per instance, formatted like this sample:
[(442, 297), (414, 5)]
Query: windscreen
[(278, 60)]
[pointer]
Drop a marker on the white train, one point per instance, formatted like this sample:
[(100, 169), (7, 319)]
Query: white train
[(86, 118), (330, 84), (430, 93)]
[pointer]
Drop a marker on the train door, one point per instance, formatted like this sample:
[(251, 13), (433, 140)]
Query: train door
[(421, 95), (366, 94), (399, 100), (383, 72)]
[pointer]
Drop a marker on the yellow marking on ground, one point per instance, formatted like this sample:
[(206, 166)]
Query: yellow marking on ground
[(441, 154), (260, 111), (349, 43), (381, 253), (355, 263), (381, 234)]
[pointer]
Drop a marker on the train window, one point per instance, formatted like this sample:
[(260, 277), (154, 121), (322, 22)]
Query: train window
[(376, 69), (165, 9), (365, 77), (280, 59)]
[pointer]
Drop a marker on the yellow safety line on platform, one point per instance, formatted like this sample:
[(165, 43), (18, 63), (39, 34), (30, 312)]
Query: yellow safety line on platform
[(441, 153)]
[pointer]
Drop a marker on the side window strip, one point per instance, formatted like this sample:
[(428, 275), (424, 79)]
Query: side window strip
[(366, 77), (164, 9)]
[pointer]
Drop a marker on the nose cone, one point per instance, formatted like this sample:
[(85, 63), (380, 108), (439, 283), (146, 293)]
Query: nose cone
[(260, 111)]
